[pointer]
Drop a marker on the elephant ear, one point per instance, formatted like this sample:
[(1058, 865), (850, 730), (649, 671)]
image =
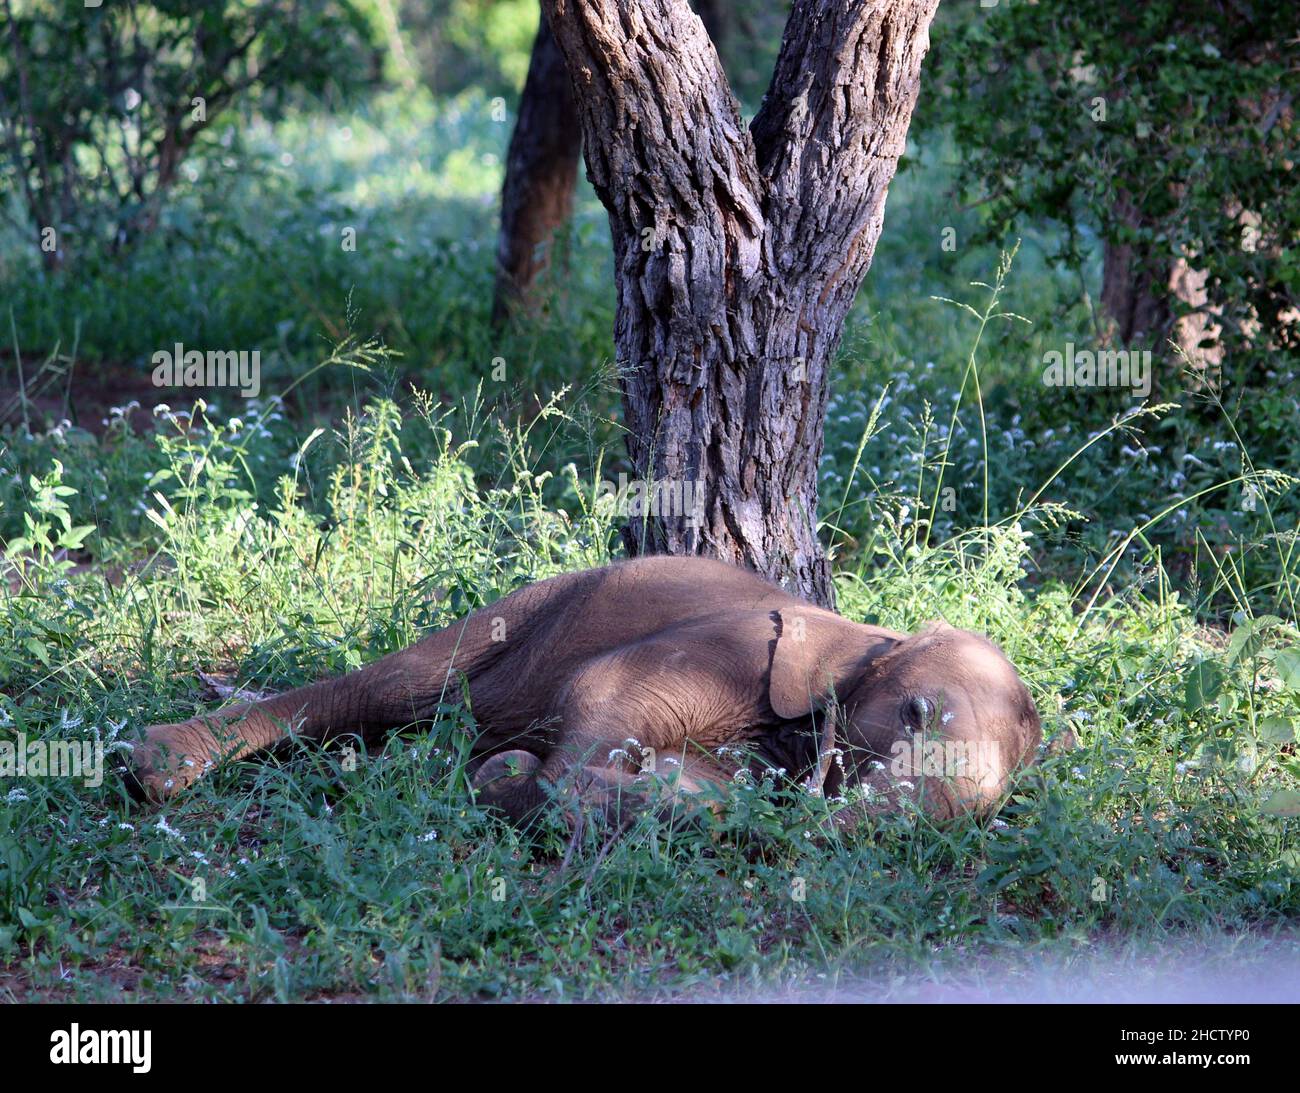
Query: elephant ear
[(815, 657)]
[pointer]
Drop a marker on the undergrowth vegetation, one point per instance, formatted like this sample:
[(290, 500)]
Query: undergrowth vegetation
[(149, 569), (313, 876)]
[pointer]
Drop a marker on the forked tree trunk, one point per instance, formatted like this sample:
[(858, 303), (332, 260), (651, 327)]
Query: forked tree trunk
[(541, 170), (738, 251)]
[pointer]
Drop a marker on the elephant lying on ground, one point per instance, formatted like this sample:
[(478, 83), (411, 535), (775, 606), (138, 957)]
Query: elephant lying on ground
[(602, 685)]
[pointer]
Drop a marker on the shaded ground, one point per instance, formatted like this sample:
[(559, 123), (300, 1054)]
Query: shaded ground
[(57, 390)]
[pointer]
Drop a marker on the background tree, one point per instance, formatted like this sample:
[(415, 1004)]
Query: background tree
[(1169, 129), (738, 251), (541, 174), (99, 107), (458, 44)]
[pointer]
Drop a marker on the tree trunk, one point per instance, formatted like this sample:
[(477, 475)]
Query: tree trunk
[(738, 252), (1139, 294), (541, 170), (1131, 287)]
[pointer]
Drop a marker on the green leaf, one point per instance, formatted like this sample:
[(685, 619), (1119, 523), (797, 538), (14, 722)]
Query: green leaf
[(73, 538), (1285, 802), (1203, 684), (1287, 664), (1217, 750), (1248, 638), (1277, 730)]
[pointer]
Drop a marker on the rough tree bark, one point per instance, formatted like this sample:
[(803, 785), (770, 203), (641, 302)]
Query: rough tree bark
[(541, 171), (738, 251), (542, 165)]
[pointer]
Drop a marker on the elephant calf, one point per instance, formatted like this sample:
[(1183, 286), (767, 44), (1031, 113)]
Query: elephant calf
[(685, 668)]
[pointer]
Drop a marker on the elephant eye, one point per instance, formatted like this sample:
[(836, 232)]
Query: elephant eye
[(917, 712)]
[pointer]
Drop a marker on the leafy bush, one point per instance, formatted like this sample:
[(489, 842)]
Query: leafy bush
[(101, 105), (1168, 129)]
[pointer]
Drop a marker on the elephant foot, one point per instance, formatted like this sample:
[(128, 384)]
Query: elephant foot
[(508, 783), (168, 759)]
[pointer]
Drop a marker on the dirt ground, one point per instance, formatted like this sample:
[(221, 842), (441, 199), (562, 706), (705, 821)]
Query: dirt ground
[(61, 389)]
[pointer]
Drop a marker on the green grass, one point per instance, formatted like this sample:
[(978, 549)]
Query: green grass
[(241, 542), (385, 881)]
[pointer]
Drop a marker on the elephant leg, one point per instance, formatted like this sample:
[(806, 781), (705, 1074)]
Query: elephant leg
[(687, 784), (635, 725), (521, 785), (607, 793), (394, 691), (615, 784)]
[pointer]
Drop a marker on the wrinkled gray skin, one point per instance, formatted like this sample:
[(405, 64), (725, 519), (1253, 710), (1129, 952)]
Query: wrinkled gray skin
[(659, 678)]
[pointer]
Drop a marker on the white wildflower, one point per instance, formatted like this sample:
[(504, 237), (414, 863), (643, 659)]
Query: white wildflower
[(164, 828)]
